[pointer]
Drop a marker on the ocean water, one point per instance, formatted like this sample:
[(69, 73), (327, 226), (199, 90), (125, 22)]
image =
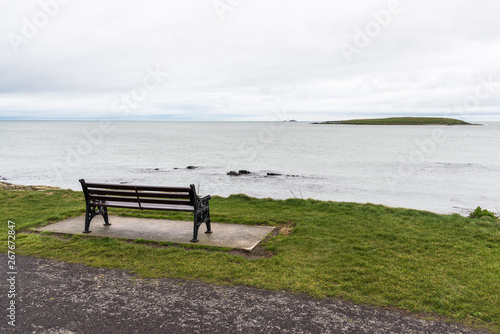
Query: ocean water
[(442, 169)]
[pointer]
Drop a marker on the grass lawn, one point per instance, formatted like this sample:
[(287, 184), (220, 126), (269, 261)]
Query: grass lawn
[(444, 265), (402, 121)]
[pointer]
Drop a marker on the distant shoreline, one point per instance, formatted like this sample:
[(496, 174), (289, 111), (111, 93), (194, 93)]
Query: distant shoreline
[(12, 186), (401, 121)]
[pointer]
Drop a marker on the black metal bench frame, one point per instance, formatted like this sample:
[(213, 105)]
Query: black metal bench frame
[(100, 196)]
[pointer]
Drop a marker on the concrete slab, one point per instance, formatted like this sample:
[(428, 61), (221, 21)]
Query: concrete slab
[(237, 236)]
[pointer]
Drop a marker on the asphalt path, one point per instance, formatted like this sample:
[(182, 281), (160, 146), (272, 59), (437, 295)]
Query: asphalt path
[(57, 297)]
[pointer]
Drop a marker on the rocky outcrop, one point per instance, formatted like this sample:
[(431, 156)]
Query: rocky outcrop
[(278, 174), (10, 186), (246, 172), (238, 173)]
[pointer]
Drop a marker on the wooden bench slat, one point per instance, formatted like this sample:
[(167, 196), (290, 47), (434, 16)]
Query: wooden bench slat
[(141, 193), (149, 206), (141, 200), (138, 187)]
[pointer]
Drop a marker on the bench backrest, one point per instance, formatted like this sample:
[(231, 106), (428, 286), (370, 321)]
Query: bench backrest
[(139, 194)]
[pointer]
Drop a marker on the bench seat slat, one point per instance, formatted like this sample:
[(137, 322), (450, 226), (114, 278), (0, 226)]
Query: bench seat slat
[(148, 206), (133, 187)]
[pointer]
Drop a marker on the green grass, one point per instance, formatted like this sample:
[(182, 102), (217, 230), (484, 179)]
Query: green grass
[(446, 265), (401, 121)]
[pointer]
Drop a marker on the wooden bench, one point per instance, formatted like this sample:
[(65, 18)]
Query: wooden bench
[(100, 196)]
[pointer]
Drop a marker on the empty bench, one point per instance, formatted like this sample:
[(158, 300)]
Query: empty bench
[(100, 196)]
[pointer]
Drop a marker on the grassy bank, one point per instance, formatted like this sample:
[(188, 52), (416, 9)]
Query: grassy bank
[(446, 265), (401, 121)]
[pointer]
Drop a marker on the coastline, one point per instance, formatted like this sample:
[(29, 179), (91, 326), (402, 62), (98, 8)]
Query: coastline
[(11, 186), (464, 212)]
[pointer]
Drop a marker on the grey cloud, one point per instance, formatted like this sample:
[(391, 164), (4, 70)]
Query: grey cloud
[(427, 58)]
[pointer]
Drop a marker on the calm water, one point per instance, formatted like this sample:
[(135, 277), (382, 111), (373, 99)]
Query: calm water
[(436, 168)]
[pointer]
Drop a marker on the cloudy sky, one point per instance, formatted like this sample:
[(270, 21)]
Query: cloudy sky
[(249, 59)]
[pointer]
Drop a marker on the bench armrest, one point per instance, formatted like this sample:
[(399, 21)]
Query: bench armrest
[(202, 202)]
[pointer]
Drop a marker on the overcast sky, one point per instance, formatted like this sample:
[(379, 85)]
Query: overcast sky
[(249, 59)]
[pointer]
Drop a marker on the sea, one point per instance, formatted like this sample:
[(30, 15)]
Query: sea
[(443, 169)]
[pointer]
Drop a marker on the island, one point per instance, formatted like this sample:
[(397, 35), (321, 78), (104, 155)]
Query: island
[(401, 121)]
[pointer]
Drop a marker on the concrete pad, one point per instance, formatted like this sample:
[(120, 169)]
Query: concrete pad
[(237, 236)]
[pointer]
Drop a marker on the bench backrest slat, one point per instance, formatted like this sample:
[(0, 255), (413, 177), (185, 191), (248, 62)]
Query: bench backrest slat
[(142, 194), (133, 187), (141, 200)]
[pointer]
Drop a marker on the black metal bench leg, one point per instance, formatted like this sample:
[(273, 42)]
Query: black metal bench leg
[(209, 230), (88, 218), (207, 222), (104, 213), (196, 227), (195, 233)]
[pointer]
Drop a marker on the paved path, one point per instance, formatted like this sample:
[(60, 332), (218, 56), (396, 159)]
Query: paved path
[(57, 297)]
